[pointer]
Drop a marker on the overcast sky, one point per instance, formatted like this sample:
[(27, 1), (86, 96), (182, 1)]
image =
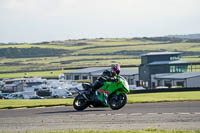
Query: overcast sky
[(46, 20)]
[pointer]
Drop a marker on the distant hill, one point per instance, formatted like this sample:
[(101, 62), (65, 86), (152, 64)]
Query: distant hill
[(69, 54), (189, 36)]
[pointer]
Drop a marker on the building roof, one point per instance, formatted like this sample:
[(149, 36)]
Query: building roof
[(161, 53), (169, 63), (14, 79), (184, 75), (127, 72), (88, 70)]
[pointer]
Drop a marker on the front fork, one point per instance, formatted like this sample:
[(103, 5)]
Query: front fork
[(83, 93)]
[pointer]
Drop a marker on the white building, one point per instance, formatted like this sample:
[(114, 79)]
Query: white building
[(185, 80), (131, 75), (13, 85), (83, 74)]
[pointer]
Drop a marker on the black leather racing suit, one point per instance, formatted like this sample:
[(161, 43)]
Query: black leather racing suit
[(106, 76)]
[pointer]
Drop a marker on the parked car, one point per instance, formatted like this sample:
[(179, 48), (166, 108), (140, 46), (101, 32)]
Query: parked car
[(3, 95), (36, 97), (14, 96), (1, 85)]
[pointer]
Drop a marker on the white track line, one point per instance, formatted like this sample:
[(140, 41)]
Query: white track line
[(135, 114), (184, 113), (197, 113)]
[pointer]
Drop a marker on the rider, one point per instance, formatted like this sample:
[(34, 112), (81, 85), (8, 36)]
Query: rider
[(107, 76)]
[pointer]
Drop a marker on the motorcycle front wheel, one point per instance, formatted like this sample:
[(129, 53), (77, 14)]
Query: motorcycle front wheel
[(80, 103), (117, 101)]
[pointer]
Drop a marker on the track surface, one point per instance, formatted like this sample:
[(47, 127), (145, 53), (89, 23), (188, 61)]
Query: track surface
[(174, 115)]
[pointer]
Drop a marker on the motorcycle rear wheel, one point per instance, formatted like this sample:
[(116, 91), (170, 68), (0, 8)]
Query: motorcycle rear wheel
[(117, 101), (80, 103)]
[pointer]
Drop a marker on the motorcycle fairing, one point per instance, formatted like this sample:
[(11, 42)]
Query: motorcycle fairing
[(108, 88)]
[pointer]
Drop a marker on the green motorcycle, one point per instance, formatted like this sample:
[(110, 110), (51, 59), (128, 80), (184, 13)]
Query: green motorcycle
[(111, 94)]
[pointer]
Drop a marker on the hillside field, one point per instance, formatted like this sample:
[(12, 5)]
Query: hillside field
[(63, 55)]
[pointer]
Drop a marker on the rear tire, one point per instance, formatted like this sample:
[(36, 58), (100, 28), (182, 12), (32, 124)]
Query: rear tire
[(80, 103), (117, 101)]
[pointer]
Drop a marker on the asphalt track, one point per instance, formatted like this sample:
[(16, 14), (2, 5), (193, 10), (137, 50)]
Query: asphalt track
[(166, 115)]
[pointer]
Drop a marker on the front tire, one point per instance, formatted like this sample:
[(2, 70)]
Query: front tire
[(80, 103), (117, 101)]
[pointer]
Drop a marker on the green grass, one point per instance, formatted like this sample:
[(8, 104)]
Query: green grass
[(164, 97), (43, 46), (117, 131), (68, 62), (47, 60), (44, 74), (132, 98), (34, 103), (169, 47), (96, 52)]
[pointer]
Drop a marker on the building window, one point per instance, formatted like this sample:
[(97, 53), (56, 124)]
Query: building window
[(144, 83), (85, 77), (153, 85), (68, 77), (132, 81), (174, 58), (180, 83), (178, 69), (159, 82), (172, 69), (94, 79), (76, 77), (137, 83), (168, 83), (129, 81)]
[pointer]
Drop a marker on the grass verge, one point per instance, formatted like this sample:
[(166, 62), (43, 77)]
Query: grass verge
[(44, 74), (118, 131), (132, 98), (164, 97), (10, 104)]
